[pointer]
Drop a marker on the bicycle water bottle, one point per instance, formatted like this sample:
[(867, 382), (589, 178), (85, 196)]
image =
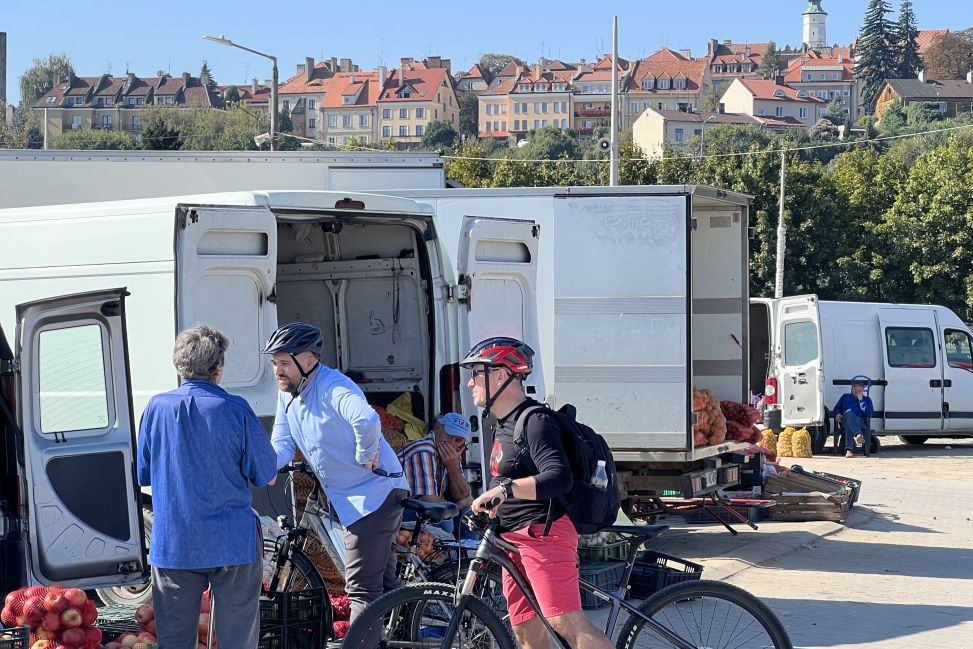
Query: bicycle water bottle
[(599, 479)]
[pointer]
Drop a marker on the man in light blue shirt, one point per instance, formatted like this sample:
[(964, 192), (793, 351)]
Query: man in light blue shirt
[(322, 413), (200, 448)]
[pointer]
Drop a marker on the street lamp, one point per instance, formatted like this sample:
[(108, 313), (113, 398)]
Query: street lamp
[(702, 134), (222, 40)]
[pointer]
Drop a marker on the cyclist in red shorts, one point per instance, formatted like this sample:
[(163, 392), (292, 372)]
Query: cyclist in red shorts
[(528, 488)]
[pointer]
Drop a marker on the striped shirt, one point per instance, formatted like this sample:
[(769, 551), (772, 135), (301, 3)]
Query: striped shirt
[(426, 476)]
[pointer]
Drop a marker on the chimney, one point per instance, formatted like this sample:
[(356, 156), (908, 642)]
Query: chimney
[(351, 79), (401, 76), (841, 58), (922, 75), (383, 74), (969, 76), (308, 67), (722, 108), (727, 41), (711, 47), (185, 78), (434, 62), (688, 53), (346, 65), (334, 65), (537, 70), (204, 79), (300, 69), (253, 87), (3, 68)]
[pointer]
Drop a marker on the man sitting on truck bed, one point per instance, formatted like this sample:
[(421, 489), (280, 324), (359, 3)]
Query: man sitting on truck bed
[(852, 409)]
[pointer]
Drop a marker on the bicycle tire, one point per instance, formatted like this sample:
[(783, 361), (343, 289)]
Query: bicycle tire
[(299, 575), (416, 615), (699, 612), (489, 588)]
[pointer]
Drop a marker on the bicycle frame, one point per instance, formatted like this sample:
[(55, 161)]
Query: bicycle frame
[(493, 549)]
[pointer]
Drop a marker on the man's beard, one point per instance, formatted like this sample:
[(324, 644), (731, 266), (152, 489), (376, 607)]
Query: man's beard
[(291, 385)]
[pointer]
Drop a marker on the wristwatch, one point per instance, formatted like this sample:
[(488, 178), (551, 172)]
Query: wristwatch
[(507, 488)]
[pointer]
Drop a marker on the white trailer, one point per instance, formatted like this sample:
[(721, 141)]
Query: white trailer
[(29, 178), (918, 357)]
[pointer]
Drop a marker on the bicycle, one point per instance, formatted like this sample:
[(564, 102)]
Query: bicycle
[(687, 615)]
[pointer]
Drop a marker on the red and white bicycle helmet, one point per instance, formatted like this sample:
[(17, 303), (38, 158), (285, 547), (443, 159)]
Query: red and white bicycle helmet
[(501, 351)]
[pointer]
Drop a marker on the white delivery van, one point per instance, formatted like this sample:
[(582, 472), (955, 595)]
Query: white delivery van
[(69, 499), (805, 352)]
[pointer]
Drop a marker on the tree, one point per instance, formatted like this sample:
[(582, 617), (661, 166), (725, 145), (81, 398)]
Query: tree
[(232, 95), (38, 80), (284, 122), (769, 62), (92, 140), (439, 135), (876, 53), (206, 76), (823, 129), (893, 120), (949, 56), (907, 35), (837, 112), (922, 113), (160, 129), (494, 62), (712, 97), (549, 143), (469, 112)]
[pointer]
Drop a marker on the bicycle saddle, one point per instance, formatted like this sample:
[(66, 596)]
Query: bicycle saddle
[(646, 532), (433, 512)]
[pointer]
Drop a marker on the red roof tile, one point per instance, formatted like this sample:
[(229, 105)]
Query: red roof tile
[(767, 89), (425, 83), (662, 65), (512, 70), (299, 83), (501, 88), (927, 37), (361, 85)]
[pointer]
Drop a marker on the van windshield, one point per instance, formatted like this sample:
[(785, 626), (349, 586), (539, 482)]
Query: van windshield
[(800, 343)]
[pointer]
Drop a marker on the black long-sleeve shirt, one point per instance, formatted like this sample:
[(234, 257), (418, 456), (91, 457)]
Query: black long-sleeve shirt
[(546, 455)]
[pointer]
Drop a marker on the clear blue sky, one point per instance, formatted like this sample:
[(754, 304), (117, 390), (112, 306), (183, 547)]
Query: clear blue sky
[(148, 36)]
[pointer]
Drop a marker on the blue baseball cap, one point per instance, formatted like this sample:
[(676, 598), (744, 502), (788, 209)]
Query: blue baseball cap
[(456, 425)]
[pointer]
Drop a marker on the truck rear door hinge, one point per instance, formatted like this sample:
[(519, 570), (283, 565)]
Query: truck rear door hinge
[(693, 224), (10, 366), (458, 292)]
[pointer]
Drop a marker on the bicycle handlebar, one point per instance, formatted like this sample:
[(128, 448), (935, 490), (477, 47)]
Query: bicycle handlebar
[(296, 467), (480, 522)]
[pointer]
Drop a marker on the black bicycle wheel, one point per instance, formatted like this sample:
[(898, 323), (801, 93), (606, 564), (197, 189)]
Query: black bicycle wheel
[(297, 574), (417, 615), (707, 614), (489, 587)]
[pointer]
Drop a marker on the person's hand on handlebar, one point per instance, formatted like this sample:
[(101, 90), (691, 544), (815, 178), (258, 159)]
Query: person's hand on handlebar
[(488, 502)]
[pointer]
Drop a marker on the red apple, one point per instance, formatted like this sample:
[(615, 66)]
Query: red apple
[(144, 614), (76, 596), (34, 610), (92, 635), (35, 591), (89, 613), (11, 596), (56, 603), (45, 634), (73, 637), (71, 618), (51, 621), (150, 626), (43, 644), (7, 617)]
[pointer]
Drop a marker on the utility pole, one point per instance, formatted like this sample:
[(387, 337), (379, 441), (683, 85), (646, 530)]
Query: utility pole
[(613, 169), (781, 232)]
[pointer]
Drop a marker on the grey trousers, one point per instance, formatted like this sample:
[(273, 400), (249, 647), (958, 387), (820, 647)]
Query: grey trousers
[(176, 595), (369, 560)]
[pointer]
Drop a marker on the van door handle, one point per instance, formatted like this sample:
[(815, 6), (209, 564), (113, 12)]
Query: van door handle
[(937, 383)]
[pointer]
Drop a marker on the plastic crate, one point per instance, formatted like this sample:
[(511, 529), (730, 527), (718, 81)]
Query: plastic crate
[(293, 607), (719, 514), (599, 553), (113, 629), (605, 575), (656, 570), (294, 636), (14, 638)]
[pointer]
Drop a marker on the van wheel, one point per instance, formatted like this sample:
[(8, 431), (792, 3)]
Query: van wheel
[(918, 440), (134, 594), (819, 437)]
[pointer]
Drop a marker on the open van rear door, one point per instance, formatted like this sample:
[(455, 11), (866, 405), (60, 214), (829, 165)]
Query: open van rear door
[(498, 270), (83, 512), (226, 267), (800, 361)]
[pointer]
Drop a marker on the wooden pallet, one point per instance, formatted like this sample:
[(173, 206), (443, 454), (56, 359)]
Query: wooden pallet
[(801, 497)]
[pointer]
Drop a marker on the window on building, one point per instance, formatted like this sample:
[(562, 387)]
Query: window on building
[(523, 87), (346, 121), (543, 123), (697, 132), (544, 107), (517, 108), (822, 76), (363, 120), (136, 123), (101, 101), (910, 347), (386, 113), (564, 106), (779, 111), (680, 84), (486, 127), (170, 100), (663, 84), (386, 131), (332, 121), (106, 121), (403, 131), (557, 107), (312, 123), (332, 140), (310, 104), (679, 135), (76, 122), (732, 69), (564, 123), (942, 108), (523, 107), (345, 140), (503, 108), (403, 113), (808, 76), (287, 105), (834, 76), (541, 87), (537, 106), (760, 111), (50, 100), (803, 113), (489, 109), (496, 125), (420, 130), (537, 124), (661, 105), (503, 125), (131, 101)]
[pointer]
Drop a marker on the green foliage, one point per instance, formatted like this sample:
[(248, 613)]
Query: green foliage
[(949, 56), (161, 129), (893, 120), (494, 62), (439, 135), (907, 34), (823, 129), (836, 112), (232, 95), (922, 113), (770, 62), (206, 73), (92, 140), (876, 53), (469, 112), (284, 122), (466, 170), (711, 98), (38, 80), (206, 129), (550, 143)]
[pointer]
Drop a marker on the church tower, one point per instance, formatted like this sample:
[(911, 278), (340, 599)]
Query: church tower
[(815, 25)]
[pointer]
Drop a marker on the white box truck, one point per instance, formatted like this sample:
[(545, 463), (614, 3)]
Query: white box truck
[(805, 352)]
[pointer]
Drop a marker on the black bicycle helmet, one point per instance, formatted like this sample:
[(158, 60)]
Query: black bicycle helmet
[(501, 351), (295, 338)]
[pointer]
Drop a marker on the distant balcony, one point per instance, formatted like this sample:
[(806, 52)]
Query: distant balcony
[(594, 112)]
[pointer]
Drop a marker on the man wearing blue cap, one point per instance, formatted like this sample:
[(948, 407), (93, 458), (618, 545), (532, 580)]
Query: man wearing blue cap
[(432, 464)]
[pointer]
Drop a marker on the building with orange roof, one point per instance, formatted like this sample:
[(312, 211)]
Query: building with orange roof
[(414, 95), (728, 61), (828, 78), (665, 80), (301, 95), (349, 109), (592, 94), (115, 103), (657, 130), (533, 99), (476, 79), (767, 98)]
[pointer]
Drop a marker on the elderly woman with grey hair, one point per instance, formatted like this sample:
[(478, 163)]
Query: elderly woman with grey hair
[(200, 448)]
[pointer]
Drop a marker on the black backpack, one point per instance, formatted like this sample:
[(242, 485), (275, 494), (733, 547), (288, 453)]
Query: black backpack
[(590, 508)]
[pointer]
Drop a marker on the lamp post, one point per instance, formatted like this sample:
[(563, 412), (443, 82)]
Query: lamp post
[(222, 40), (702, 135)]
